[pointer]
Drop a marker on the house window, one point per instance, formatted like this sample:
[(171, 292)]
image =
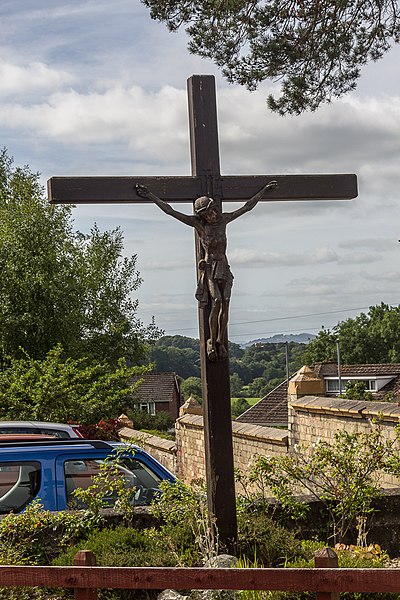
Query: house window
[(149, 407), (332, 385)]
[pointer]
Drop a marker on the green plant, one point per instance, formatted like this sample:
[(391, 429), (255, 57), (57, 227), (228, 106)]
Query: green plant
[(344, 475), (109, 487), (349, 557), (36, 536), (60, 389), (263, 541), (357, 390), (125, 547), (183, 507), (59, 286), (142, 420)]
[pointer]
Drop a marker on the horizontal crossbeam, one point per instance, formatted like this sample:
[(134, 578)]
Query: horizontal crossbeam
[(178, 578), (104, 190)]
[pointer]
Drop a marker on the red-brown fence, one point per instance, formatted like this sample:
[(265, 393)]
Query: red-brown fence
[(85, 578)]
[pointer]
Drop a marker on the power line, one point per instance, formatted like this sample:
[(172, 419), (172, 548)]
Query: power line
[(332, 312)]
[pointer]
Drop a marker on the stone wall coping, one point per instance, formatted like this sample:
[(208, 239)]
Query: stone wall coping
[(388, 410), (245, 430), (147, 438), (189, 419)]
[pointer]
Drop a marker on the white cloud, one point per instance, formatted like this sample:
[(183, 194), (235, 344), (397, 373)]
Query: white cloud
[(16, 79), (117, 114)]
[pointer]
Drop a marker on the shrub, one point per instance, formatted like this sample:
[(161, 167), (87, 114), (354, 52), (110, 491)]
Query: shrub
[(142, 420), (263, 540), (36, 536), (345, 475), (126, 547), (349, 557)]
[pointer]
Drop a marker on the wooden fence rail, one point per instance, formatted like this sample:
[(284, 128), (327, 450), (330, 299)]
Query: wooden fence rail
[(326, 581)]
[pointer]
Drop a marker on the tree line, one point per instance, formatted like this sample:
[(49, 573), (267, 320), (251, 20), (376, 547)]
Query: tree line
[(372, 337)]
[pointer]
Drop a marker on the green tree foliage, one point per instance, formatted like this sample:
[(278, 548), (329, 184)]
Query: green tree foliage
[(315, 49), (254, 370), (61, 390), (179, 341), (239, 406), (356, 390), (368, 338), (58, 286), (183, 361), (141, 419), (192, 387), (236, 385), (181, 355)]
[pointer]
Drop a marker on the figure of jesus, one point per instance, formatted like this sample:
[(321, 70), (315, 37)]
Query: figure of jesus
[(216, 279)]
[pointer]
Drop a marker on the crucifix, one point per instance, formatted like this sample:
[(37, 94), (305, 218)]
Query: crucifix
[(206, 189)]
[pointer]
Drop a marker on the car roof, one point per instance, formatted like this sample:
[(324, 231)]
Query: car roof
[(23, 437), (42, 424), (50, 443)]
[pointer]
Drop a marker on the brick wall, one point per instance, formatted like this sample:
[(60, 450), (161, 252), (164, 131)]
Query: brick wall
[(185, 456), (313, 418), (162, 450), (248, 441)]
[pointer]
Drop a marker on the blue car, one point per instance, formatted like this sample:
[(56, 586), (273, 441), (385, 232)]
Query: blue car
[(50, 470)]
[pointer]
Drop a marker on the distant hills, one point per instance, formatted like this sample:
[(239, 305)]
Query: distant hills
[(280, 338)]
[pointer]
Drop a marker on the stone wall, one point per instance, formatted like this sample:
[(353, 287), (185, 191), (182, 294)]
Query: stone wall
[(185, 456), (248, 441), (162, 450), (313, 418)]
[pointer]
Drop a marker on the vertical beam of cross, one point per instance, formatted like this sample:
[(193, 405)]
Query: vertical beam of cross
[(215, 375)]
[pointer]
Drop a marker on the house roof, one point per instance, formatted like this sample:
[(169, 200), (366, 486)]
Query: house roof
[(272, 409), (331, 369), (157, 387)]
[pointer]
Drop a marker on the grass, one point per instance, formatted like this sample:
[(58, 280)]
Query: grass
[(251, 401)]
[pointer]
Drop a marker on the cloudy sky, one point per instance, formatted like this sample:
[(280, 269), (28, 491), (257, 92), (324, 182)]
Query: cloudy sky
[(93, 87)]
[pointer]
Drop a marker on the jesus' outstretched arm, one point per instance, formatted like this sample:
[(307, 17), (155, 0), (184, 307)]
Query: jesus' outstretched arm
[(250, 204), (143, 192)]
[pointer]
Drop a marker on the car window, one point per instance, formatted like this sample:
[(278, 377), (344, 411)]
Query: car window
[(19, 484), (58, 433), (79, 474), (40, 431)]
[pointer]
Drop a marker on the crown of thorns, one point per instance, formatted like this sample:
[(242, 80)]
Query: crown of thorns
[(203, 203)]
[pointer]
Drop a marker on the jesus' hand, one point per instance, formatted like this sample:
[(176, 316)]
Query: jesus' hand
[(142, 190)]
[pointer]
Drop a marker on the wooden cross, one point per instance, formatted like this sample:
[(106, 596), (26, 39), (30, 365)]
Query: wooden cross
[(206, 180)]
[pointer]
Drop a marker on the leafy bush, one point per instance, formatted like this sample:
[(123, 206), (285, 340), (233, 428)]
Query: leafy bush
[(263, 540), (127, 547), (36, 536), (123, 547), (345, 475), (142, 420), (183, 510), (349, 557), (239, 406), (59, 389)]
